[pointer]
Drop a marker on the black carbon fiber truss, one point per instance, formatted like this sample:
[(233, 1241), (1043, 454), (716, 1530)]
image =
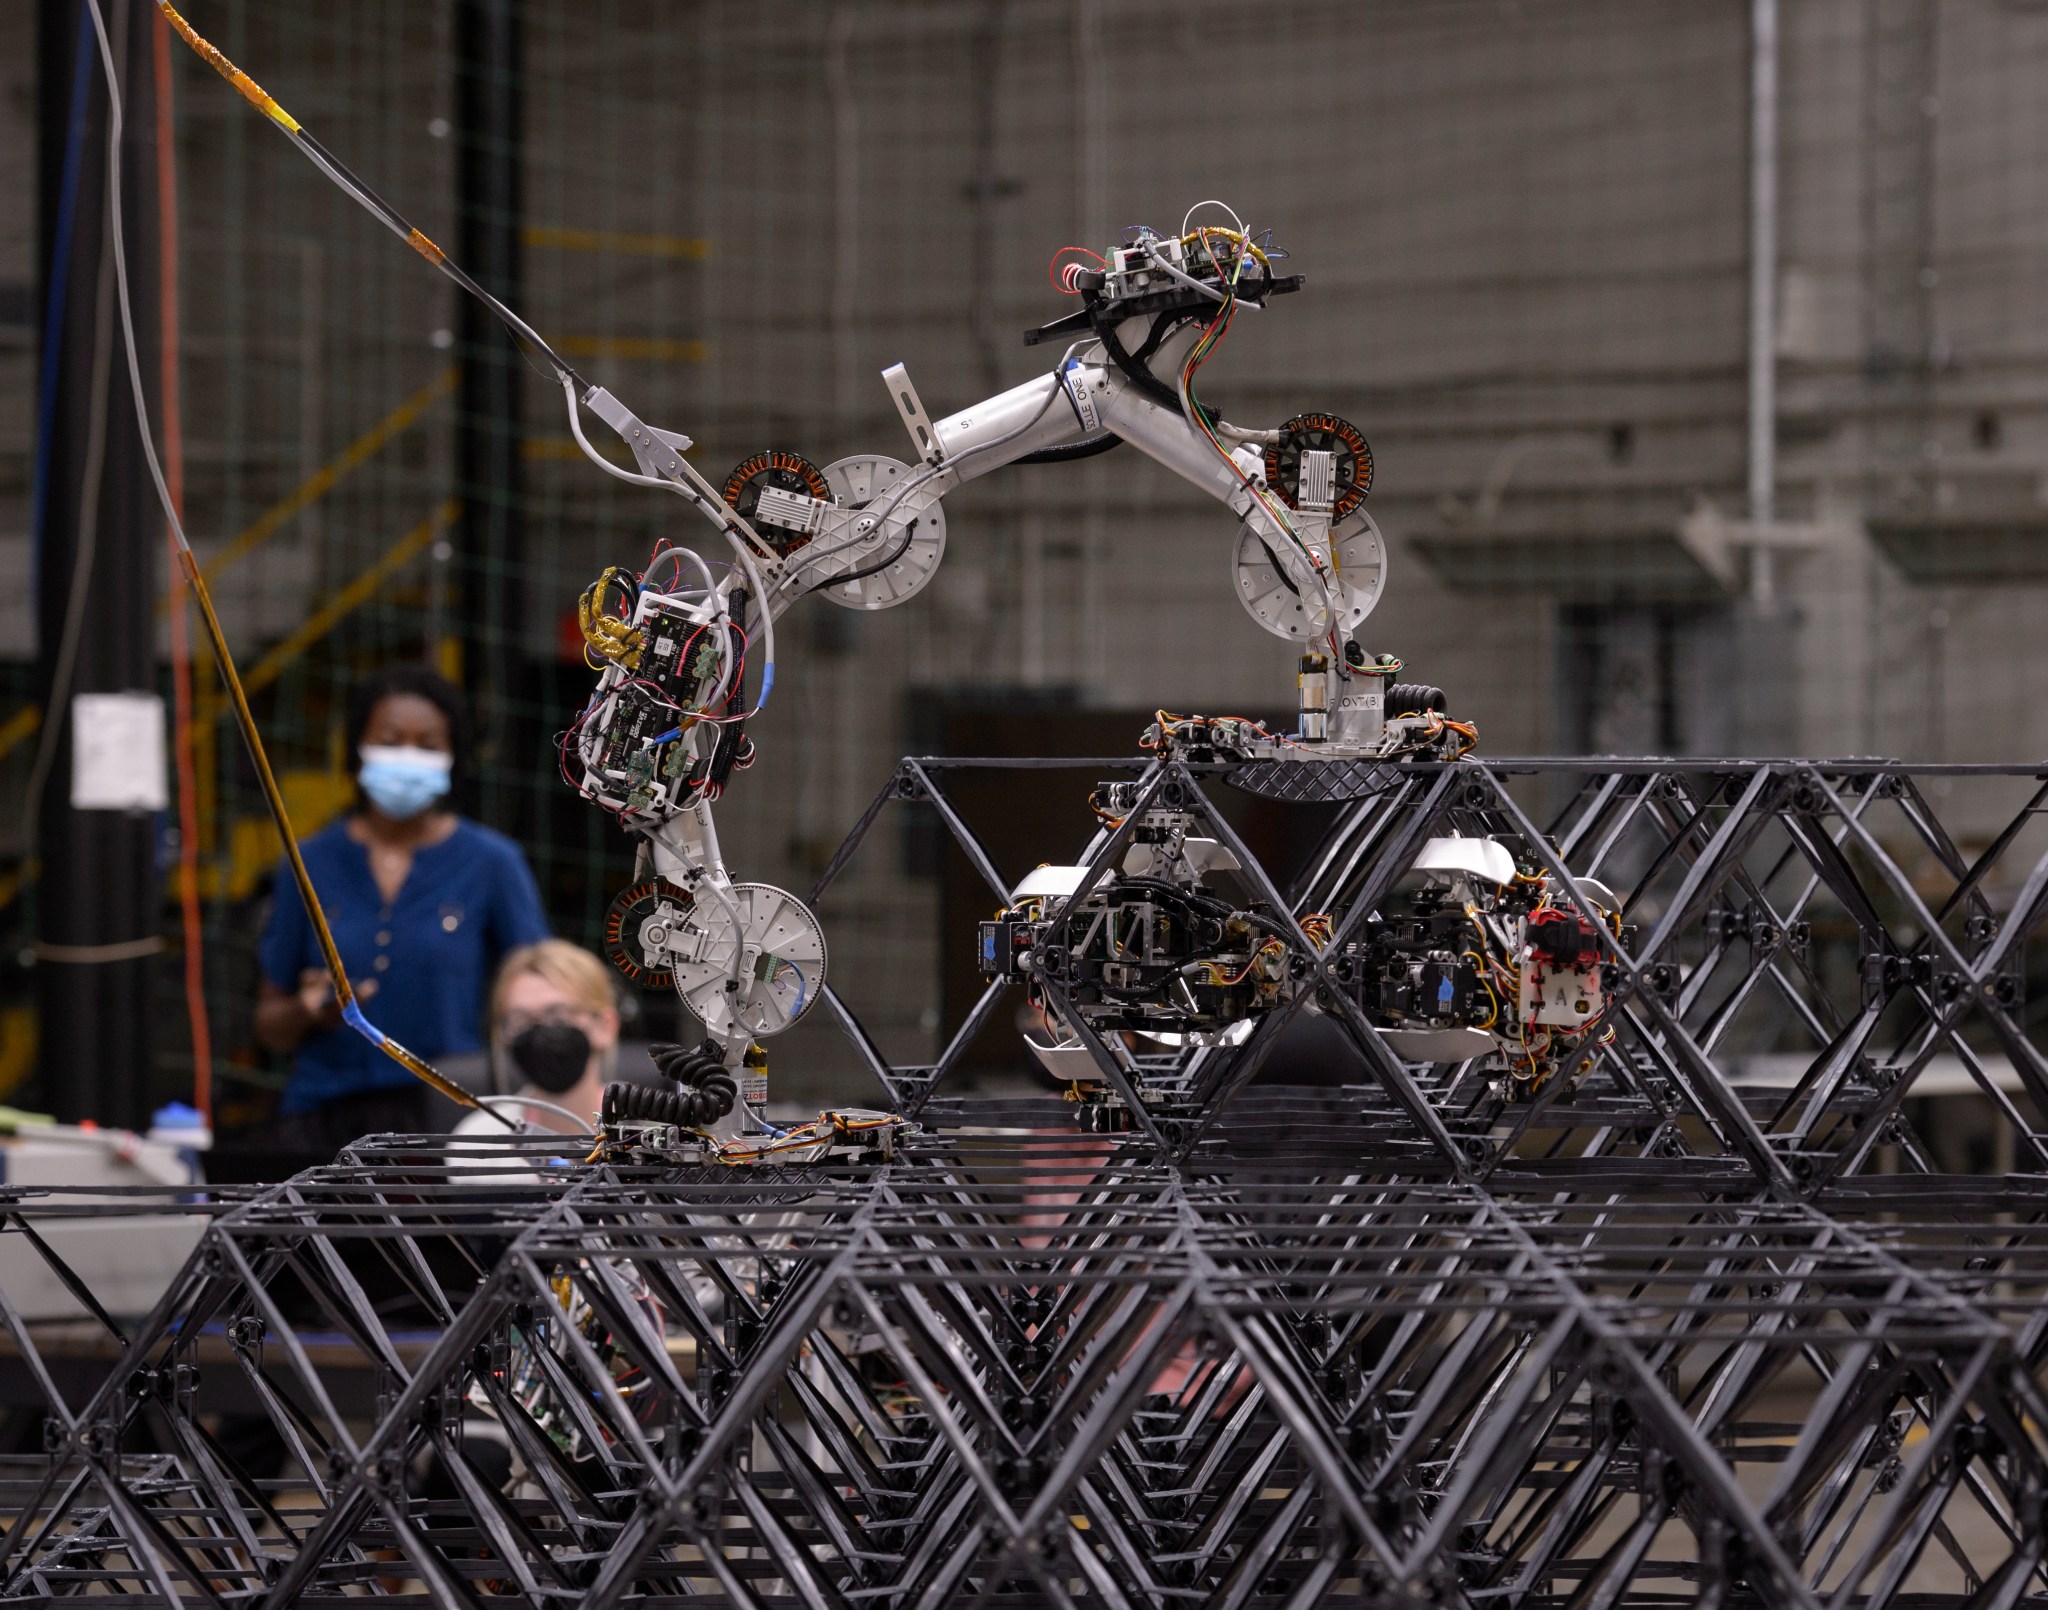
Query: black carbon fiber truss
[(1819, 918), (1717, 1327)]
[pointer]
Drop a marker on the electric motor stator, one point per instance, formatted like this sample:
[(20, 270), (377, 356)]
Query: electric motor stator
[(638, 927), (786, 522), (1351, 473)]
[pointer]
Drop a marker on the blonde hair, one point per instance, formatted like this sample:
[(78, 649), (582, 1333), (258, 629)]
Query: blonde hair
[(570, 968)]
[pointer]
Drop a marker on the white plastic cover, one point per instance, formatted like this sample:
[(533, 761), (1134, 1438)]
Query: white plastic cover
[(1202, 856), (1480, 858), (1599, 893), (1232, 1034), (1437, 1045), (1066, 1063), (1048, 882)]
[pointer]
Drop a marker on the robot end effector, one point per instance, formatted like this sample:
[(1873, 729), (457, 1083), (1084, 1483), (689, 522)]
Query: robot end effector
[(1309, 563), (868, 532)]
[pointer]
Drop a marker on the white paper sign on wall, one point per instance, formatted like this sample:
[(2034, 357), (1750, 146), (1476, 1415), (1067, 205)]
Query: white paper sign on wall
[(117, 753)]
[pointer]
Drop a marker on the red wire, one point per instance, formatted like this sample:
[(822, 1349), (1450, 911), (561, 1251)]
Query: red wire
[(1053, 272), (181, 653)]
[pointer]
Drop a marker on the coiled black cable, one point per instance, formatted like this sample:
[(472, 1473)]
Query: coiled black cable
[(1414, 698), (706, 1091), (702, 1070), (623, 1101), (685, 1108)]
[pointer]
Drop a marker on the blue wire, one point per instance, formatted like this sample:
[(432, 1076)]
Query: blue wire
[(352, 1015), (60, 274)]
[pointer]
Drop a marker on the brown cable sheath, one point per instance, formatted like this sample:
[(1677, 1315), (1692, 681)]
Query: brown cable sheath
[(344, 992)]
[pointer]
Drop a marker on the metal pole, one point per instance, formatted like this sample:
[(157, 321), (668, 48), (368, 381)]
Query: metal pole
[(98, 539), (489, 207), (1763, 289)]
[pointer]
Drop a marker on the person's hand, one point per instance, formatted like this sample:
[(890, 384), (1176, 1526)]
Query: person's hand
[(316, 995)]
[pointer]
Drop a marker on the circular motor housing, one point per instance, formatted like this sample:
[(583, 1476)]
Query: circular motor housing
[(638, 927), (1270, 597), (782, 977), (856, 483)]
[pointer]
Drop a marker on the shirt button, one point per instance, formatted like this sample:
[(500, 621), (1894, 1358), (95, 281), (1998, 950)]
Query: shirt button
[(450, 923), (382, 964), (384, 937)]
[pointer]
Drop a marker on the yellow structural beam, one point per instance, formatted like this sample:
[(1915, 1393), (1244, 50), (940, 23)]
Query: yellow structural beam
[(25, 722), (18, 728), (658, 348), (273, 520), (314, 798), (324, 480), (616, 243), (17, 1046), (359, 591)]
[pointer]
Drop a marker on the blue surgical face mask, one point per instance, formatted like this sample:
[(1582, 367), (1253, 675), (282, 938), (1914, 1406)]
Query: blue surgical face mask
[(402, 782)]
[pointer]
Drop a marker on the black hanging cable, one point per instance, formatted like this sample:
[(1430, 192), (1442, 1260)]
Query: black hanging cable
[(188, 564), (380, 209)]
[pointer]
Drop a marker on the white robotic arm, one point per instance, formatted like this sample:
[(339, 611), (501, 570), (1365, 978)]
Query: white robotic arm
[(666, 725), (1309, 564)]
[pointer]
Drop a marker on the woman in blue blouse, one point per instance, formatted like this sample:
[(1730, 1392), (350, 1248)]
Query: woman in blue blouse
[(423, 902)]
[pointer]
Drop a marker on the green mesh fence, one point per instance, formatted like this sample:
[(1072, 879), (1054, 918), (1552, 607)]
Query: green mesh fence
[(1525, 232)]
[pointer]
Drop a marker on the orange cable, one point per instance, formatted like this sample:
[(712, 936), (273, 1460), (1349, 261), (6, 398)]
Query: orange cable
[(181, 653)]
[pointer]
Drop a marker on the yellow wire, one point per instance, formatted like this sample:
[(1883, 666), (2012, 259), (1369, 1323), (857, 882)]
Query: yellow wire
[(323, 935), (344, 992)]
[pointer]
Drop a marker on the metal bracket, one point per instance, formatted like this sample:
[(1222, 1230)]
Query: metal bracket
[(915, 420)]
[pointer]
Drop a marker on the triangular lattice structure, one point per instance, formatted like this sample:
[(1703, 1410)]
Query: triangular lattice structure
[(1717, 1322)]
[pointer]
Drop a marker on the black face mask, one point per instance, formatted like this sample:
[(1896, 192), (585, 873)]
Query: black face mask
[(551, 1056)]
